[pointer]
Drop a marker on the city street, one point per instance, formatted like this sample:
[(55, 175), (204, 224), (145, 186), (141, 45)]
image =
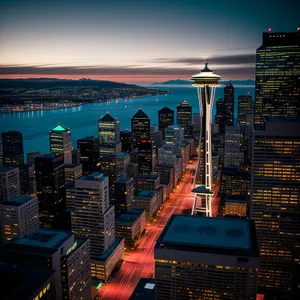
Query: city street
[(140, 263)]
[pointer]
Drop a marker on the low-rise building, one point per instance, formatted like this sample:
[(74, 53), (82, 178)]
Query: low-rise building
[(235, 206), (147, 182), (105, 264), (130, 226), (146, 200), (207, 258), (144, 290), (19, 217)]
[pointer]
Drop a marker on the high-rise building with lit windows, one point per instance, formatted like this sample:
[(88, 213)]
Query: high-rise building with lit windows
[(109, 135), (229, 104), (12, 147), (233, 156), (146, 157), (61, 142), (277, 76), (185, 118), (275, 197), (198, 257), (140, 127), (165, 119)]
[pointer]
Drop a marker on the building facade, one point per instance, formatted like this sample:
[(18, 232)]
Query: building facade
[(61, 142), (140, 127), (9, 183), (214, 264), (275, 205), (165, 119), (185, 118)]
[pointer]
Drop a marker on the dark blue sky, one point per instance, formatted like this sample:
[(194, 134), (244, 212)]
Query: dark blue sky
[(136, 41)]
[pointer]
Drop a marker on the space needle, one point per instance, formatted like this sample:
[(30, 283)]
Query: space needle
[(205, 82)]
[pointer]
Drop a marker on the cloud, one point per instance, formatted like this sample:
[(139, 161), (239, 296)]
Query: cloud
[(130, 70), (239, 59)]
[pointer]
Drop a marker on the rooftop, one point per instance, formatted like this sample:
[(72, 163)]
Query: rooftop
[(88, 138), (111, 249), (148, 176), (19, 200), (140, 114), (236, 199), (123, 179), (44, 238), (96, 176), (122, 155), (50, 155), (166, 109), (107, 118), (146, 194), (6, 169), (172, 127), (144, 290), (213, 235), (60, 128), (184, 103), (19, 281)]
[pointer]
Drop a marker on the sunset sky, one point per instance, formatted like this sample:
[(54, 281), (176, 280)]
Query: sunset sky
[(136, 41)]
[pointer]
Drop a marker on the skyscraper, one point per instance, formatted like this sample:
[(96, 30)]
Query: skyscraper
[(9, 183), (50, 185), (185, 118), (124, 193), (126, 140), (12, 144), (140, 127), (174, 134), (220, 115), (165, 119), (229, 104), (61, 142), (198, 257), (146, 155), (233, 155), (92, 215), (205, 82), (277, 76), (109, 135), (275, 197), (244, 110), (89, 154), (245, 121)]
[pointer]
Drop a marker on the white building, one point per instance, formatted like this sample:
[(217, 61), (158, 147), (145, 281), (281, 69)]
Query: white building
[(9, 183), (19, 217)]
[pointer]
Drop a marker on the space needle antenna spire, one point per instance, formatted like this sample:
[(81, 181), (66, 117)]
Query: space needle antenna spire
[(205, 82)]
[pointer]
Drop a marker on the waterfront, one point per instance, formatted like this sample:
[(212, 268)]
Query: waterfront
[(82, 120)]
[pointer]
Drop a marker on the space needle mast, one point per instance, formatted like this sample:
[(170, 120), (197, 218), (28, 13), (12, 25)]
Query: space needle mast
[(205, 82)]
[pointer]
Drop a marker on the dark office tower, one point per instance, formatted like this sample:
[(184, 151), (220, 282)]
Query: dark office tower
[(50, 185), (185, 118), (220, 115), (89, 154), (275, 196), (1, 151), (245, 121), (12, 143), (229, 104), (75, 157), (109, 135), (145, 157), (126, 140), (140, 127), (277, 76), (107, 166), (165, 119), (124, 194)]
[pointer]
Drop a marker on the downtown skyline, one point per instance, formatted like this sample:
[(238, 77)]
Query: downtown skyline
[(135, 42)]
